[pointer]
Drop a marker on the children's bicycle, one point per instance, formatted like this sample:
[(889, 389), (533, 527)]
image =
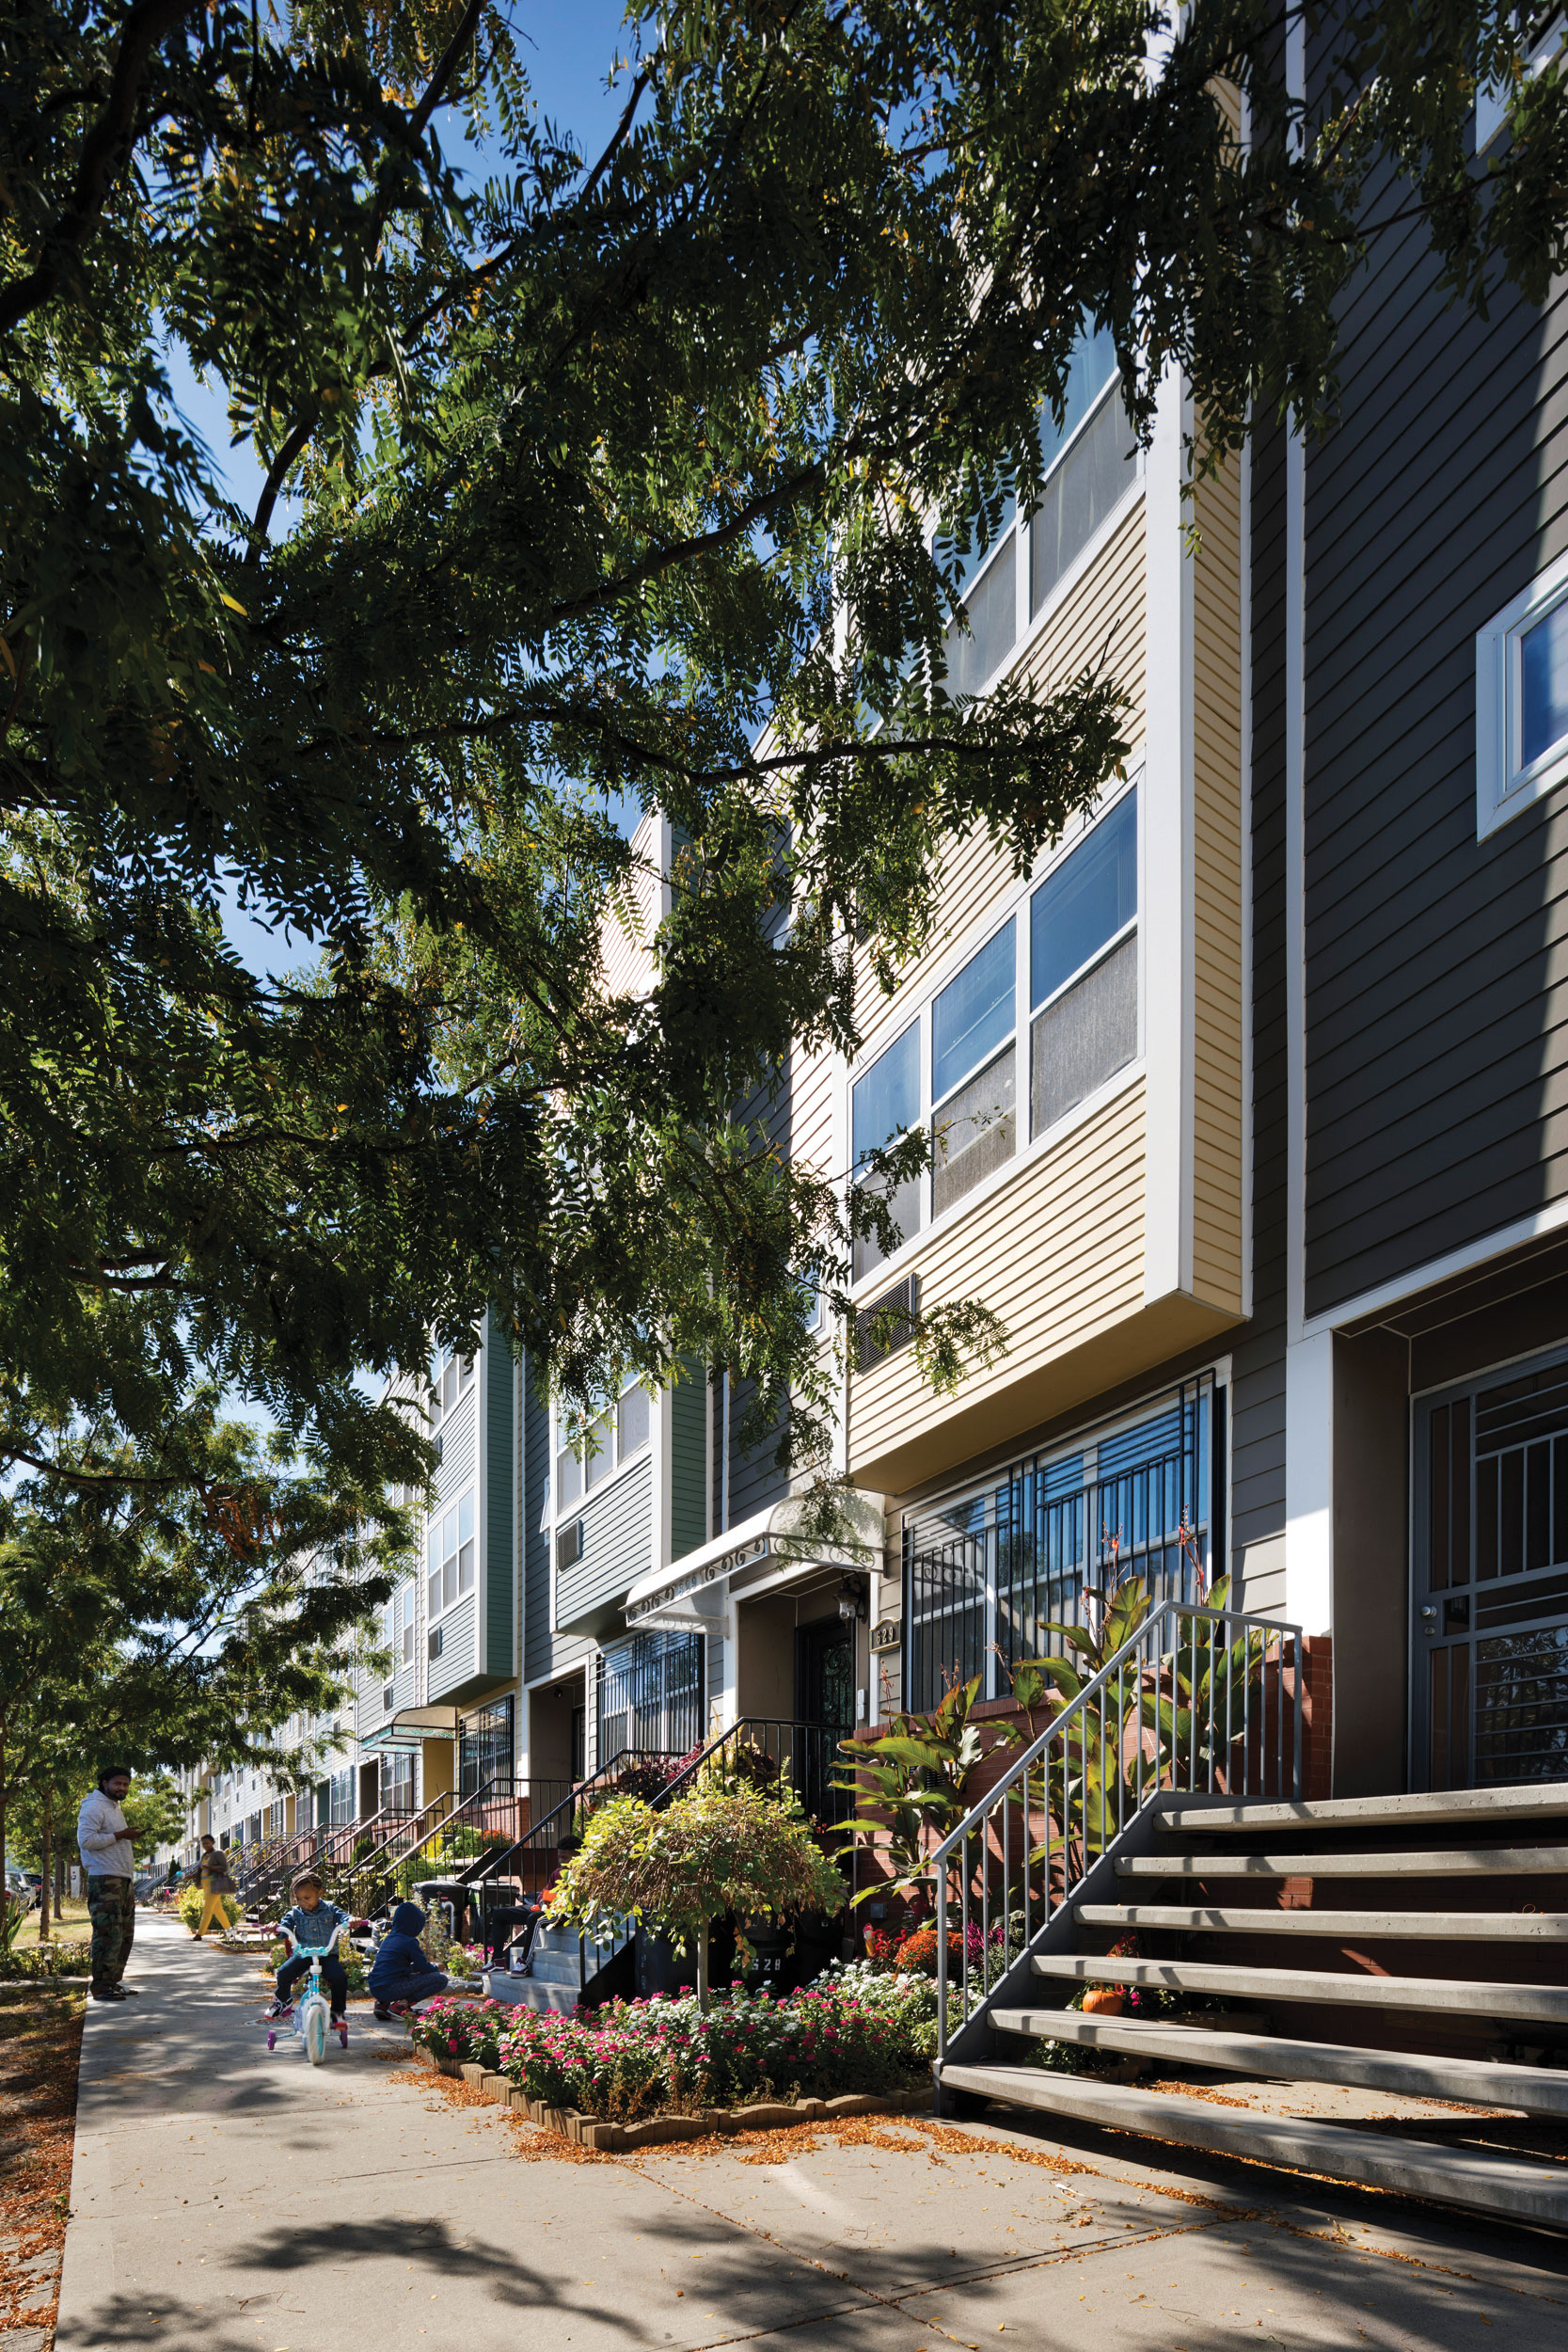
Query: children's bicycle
[(310, 2014)]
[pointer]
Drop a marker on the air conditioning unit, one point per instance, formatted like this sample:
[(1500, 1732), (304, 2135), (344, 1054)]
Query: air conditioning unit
[(386, 1698), (568, 1545), (435, 1643), (894, 1315)]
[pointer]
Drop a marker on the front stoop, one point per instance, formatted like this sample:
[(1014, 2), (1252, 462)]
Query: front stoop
[(1433, 1969)]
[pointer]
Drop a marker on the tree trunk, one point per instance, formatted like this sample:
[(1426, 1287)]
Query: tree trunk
[(702, 1970), (43, 1871)]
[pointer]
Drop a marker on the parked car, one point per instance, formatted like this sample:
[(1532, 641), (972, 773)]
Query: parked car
[(24, 1888)]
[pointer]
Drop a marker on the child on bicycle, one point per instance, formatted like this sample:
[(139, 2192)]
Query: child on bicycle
[(308, 1929)]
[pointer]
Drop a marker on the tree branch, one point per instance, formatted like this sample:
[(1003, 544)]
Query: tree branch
[(104, 152)]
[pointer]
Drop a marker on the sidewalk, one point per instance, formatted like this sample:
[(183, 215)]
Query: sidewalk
[(222, 2198)]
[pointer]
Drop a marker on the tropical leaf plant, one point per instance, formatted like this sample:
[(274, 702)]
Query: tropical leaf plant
[(908, 1785)]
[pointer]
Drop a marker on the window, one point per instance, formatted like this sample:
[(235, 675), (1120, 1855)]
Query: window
[(884, 1104), (1493, 100), (453, 1377), (649, 1695), (1074, 947), (972, 1120), (452, 1555), (406, 1608), (1522, 700), (1091, 461), (485, 1748), (1084, 968), (613, 1437)]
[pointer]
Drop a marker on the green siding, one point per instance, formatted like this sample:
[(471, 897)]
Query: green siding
[(688, 1462), (500, 1656)]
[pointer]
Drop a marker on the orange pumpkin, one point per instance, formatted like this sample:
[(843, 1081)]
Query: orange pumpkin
[(1104, 2000)]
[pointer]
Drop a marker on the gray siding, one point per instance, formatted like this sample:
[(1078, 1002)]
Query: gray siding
[(1257, 1391), (458, 1447), (617, 1549), (457, 1663), (1437, 1009), (545, 1654), (688, 1463), (496, 1371), (756, 1478)]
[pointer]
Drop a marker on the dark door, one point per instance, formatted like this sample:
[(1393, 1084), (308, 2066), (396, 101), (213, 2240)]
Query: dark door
[(1490, 1583), (825, 1696)]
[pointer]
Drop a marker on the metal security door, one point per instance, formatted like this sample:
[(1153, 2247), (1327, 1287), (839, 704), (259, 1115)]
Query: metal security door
[(1489, 1652)]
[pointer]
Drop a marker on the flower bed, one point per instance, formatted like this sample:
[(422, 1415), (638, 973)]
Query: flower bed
[(462, 2033)]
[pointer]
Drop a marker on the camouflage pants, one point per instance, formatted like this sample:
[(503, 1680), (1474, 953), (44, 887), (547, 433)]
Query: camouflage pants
[(112, 1909)]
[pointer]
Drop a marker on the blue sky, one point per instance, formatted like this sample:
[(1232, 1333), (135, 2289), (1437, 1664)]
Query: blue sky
[(568, 53)]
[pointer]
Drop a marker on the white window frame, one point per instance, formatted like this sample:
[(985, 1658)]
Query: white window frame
[(1504, 784), (1027, 1147), (441, 1414), (1492, 99), (612, 1467), (434, 1616)]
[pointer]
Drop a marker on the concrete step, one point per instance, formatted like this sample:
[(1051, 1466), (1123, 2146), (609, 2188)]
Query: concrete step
[(1536, 1801), (529, 1992), (557, 1968), (1506, 1927), (1477, 2082), (1463, 1862), (1543, 2003), (1475, 2179)]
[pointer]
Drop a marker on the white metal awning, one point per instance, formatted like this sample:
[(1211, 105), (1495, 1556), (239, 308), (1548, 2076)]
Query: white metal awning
[(775, 1548)]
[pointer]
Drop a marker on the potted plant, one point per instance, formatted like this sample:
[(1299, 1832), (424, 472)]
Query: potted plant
[(716, 1849)]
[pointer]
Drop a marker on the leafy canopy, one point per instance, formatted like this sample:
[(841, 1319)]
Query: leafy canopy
[(639, 481)]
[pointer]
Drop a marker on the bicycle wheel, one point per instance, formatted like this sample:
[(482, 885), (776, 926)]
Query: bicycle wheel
[(315, 2033)]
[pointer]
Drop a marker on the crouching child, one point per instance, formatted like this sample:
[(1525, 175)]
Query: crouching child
[(401, 1969), (309, 1930)]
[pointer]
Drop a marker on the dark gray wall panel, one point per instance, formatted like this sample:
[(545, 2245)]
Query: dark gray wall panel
[(1436, 966), (545, 1654)]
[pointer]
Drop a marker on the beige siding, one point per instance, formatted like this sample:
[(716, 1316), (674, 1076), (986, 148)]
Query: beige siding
[(1056, 1253), (1218, 1173), (1102, 619), (630, 924)]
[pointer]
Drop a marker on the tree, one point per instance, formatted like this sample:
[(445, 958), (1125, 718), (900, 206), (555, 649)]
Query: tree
[(608, 485), (160, 1629)]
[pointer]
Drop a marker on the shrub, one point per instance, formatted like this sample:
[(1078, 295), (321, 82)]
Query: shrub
[(469, 2032), (29, 1962), (189, 1906)]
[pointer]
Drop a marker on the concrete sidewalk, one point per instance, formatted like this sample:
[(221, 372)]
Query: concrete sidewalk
[(225, 2199)]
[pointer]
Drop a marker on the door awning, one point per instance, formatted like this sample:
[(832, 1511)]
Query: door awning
[(779, 1546), (411, 1727)]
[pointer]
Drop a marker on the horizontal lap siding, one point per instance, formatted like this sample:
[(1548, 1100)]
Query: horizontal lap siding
[(500, 1656), (458, 1448), (1101, 621), (1217, 893), (1258, 1394), (459, 1660), (688, 1463), (628, 928), (1438, 965), (545, 1654), (617, 1545), (1056, 1253)]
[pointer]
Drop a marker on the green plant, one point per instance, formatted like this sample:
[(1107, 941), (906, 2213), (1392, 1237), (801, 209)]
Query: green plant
[(188, 1907), (908, 1784), (714, 1850), (34, 1963)]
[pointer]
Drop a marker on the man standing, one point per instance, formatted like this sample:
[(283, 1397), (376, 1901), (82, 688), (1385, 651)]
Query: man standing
[(104, 1840)]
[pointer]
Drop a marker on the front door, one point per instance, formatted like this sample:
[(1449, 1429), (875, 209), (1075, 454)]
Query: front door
[(1489, 1698), (824, 1695)]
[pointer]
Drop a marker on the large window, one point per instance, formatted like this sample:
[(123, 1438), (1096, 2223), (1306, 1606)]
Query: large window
[(452, 1555), (452, 1379), (649, 1695), (400, 1627), (884, 1104), (1069, 952), (486, 1746), (1091, 456), (1083, 969), (1522, 700), (613, 1437), (992, 1573)]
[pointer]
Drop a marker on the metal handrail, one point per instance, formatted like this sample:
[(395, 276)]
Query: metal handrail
[(449, 1817), (1113, 1786)]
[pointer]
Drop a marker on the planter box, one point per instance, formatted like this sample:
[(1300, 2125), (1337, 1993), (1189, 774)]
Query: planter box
[(662, 2131)]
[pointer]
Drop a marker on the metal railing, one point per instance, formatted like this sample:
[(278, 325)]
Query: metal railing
[(1192, 1701)]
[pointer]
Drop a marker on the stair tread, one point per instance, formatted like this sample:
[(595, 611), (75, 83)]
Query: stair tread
[(1491, 1861), (1537, 2090), (1533, 1799), (1509, 1925), (1548, 2002), (1477, 2179)]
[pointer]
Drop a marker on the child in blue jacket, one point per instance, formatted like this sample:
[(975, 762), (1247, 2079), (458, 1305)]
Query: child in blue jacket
[(403, 1971), (310, 1930)]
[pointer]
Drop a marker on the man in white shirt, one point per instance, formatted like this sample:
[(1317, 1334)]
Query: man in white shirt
[(103, 1841)]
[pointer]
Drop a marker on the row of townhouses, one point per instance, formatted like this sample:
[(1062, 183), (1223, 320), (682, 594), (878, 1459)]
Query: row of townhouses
[(1250, 1121)]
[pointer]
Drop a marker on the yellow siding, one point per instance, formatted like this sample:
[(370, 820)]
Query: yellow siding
[(1217, 1171), (1057, 1254), (1101, 620)]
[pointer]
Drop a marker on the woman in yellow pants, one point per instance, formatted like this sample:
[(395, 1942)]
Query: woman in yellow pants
[(212, 1872)]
